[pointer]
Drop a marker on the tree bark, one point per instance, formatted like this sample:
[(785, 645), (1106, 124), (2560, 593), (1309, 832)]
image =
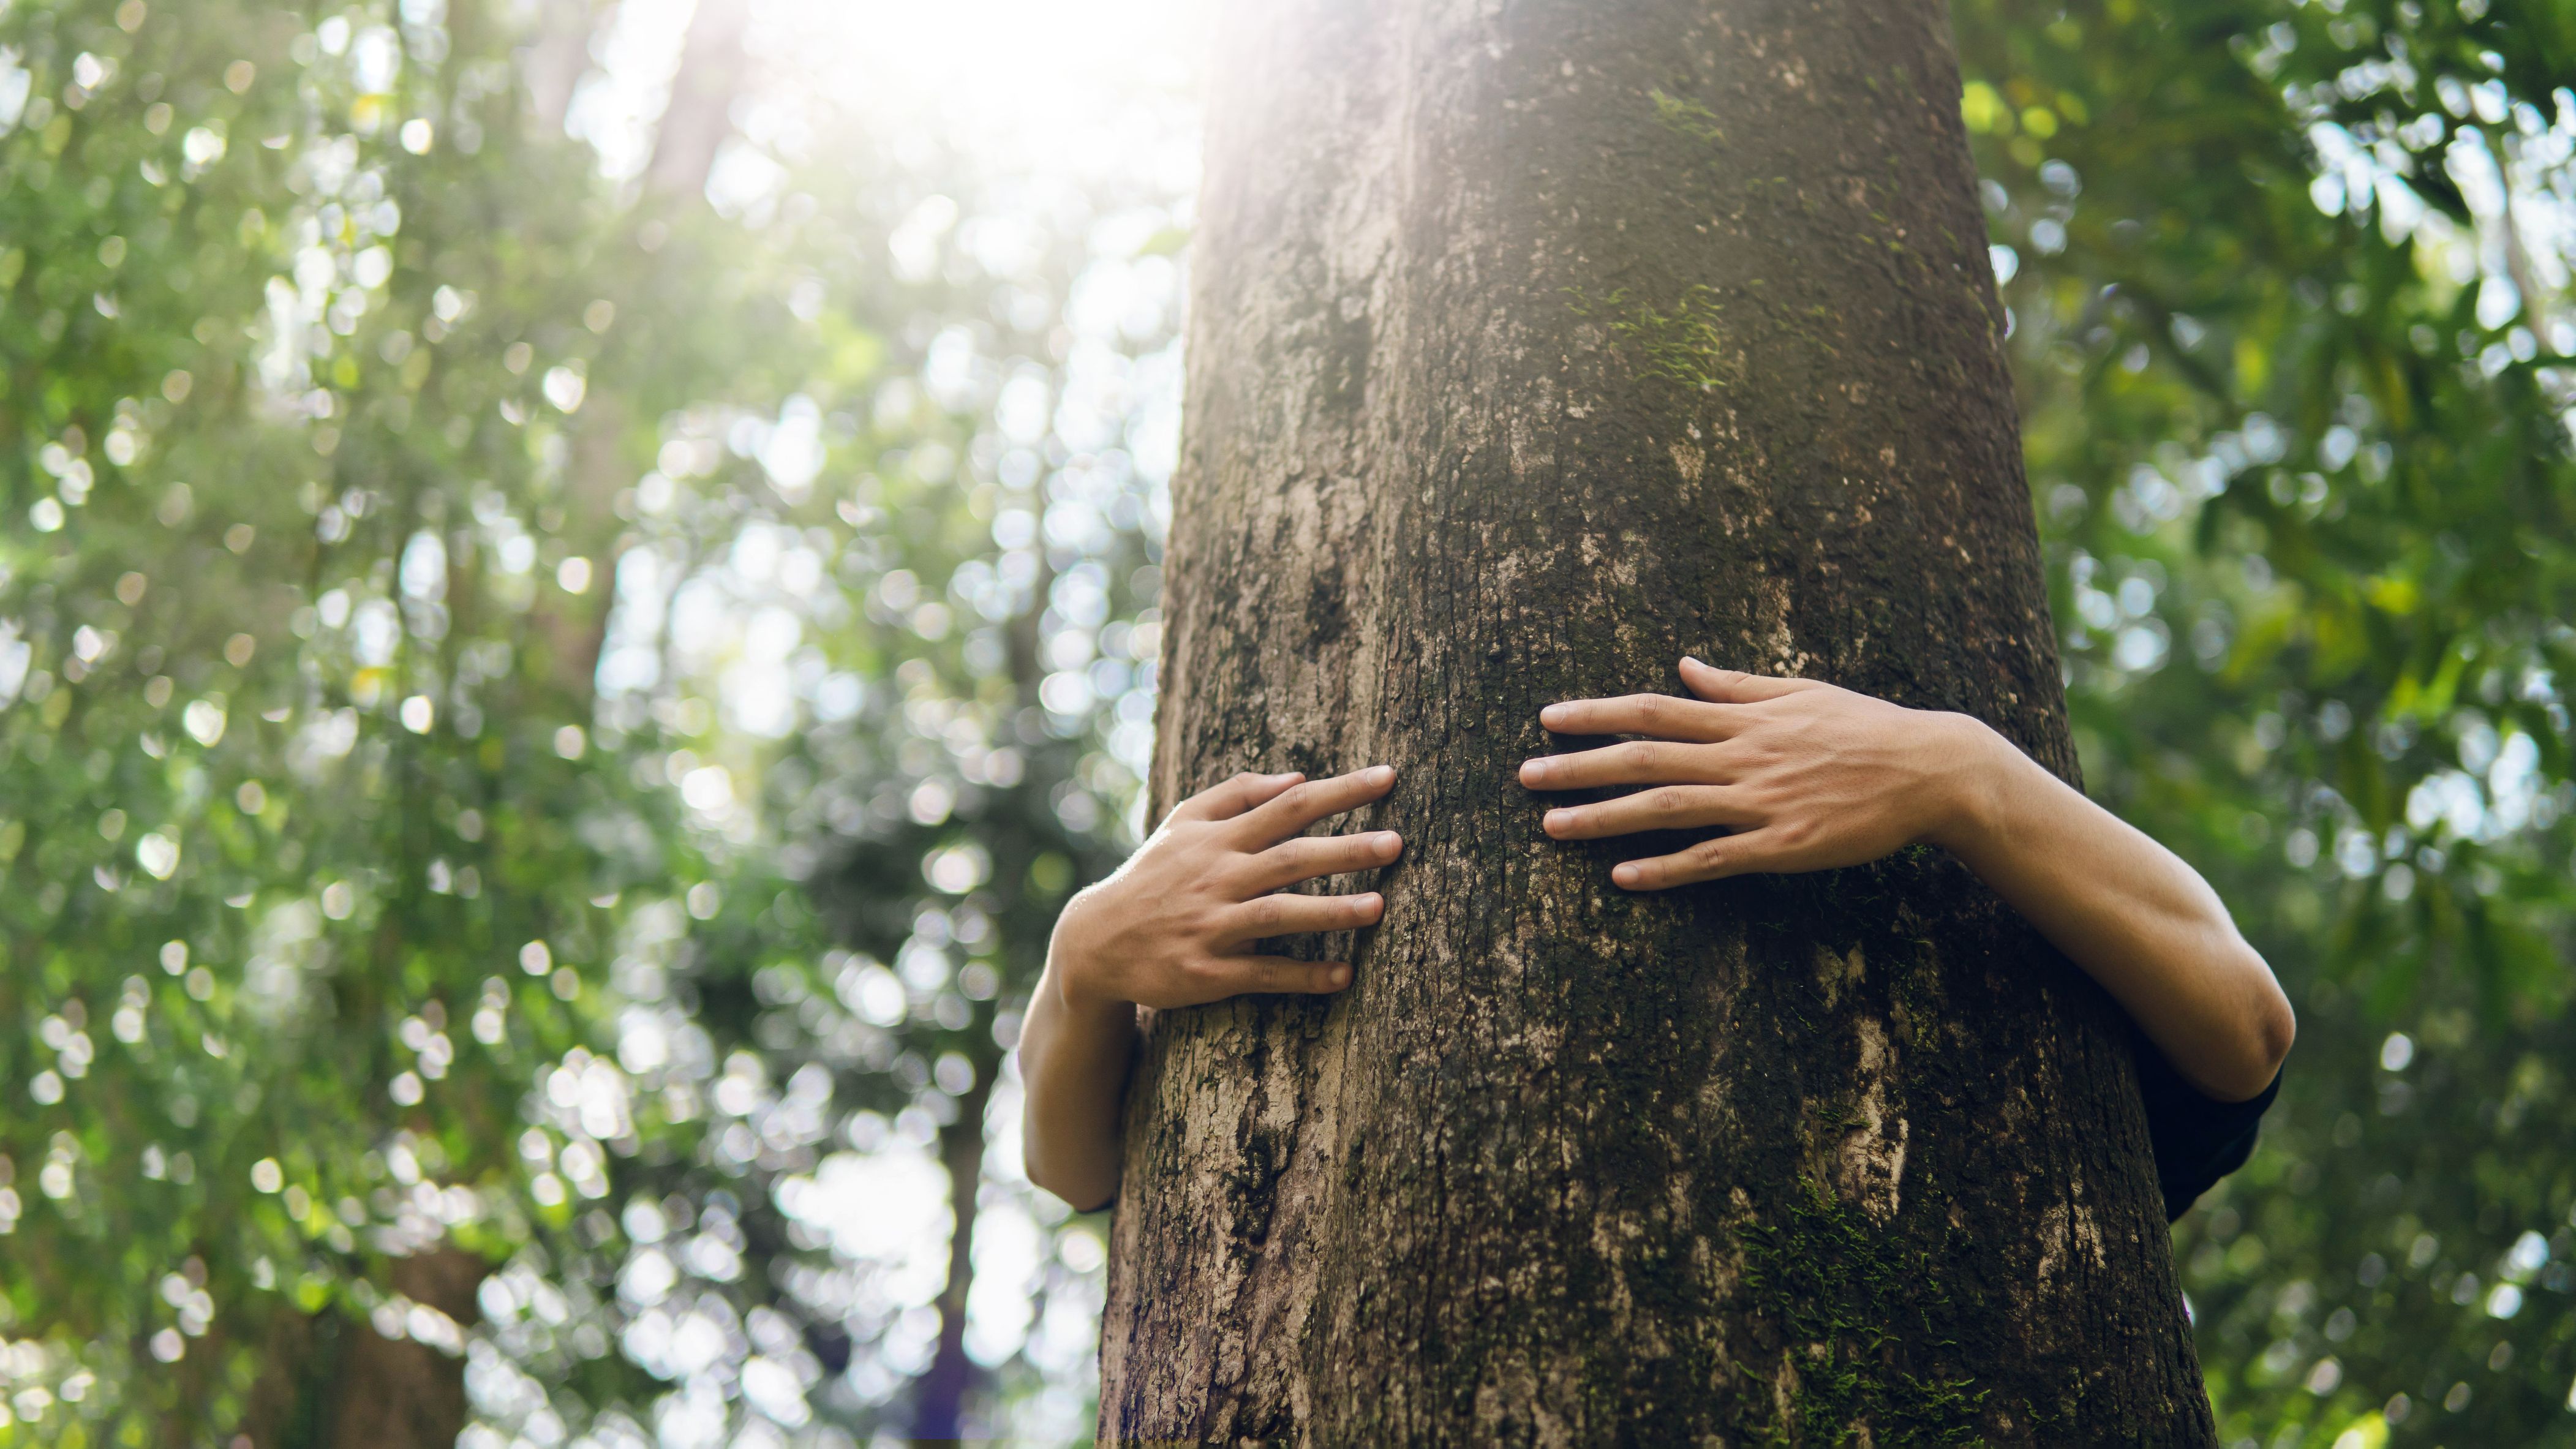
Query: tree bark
[(1534, 345)]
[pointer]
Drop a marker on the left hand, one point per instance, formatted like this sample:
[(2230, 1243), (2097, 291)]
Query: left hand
[(1805, 775)]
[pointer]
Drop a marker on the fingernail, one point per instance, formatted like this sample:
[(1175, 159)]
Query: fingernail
[(1551, 714), (1693, 659), (1626, 875), (1533, 771), (1387, 843), (1339, 976), (1371, 901), (1380, 774), (1558, 820)]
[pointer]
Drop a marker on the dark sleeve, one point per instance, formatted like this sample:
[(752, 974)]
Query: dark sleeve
[(2197, 1139)]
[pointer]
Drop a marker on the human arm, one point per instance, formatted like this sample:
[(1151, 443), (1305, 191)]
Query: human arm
[(1811, 777), (1175, 926)]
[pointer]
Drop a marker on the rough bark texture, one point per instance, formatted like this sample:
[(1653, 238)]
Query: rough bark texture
[(1536, 343)]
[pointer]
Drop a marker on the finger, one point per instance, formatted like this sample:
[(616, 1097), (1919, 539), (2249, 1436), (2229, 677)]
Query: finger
[(1263, 917), (1230, 798), (1754, 850), (1734, 686), (1299, 806), (1667, 807), (1638, 762), (1310, 856), (1245, 975), (1663, 716)]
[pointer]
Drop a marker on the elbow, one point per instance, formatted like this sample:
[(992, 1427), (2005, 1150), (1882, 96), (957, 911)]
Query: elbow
[(2277, 1027), (1081, 1191), (1082, 1197), (1042, 1174), (2270, 1028)]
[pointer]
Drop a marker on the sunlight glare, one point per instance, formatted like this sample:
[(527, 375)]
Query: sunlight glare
[(1044, 83)]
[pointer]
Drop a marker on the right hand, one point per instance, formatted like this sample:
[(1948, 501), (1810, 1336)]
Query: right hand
[(1175, 924)]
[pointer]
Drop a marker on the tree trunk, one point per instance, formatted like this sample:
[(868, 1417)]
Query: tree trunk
[(698, 120), (395, 1393), (1534, 345), (329, 1379), (401, 1394), (939, 1395)]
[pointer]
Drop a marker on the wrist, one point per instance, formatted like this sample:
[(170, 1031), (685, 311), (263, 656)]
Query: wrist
[(1073, 966), (1976, 768)]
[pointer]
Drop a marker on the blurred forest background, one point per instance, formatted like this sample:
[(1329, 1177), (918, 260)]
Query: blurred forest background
[(580, 580)]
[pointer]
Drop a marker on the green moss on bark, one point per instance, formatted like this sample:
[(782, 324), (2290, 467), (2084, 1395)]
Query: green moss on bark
[(1862, 1312), (1683, 345)]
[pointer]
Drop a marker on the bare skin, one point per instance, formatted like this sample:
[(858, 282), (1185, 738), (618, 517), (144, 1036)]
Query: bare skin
[(1175, 927), (1804, 776), (1809, 777)]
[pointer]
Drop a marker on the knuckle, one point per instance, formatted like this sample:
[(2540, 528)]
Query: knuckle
[(1268, 911), (1668, 800)]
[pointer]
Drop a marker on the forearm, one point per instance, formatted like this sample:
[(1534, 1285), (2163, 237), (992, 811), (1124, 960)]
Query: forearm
[(1074, 1060), (2127, 911)]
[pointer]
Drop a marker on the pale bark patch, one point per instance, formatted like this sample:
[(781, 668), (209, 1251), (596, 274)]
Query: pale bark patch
[(1870, 1166), (2068, 1235)]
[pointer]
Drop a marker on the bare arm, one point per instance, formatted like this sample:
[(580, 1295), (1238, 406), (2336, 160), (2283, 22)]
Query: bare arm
[(2129, 912), (1810, 777), (1174, 927)]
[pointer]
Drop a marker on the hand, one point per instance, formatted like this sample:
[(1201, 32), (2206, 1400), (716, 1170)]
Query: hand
[(1173, 926), (1806, 776)]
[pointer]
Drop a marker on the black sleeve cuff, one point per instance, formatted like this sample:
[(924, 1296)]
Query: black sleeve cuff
[(2197, 1138)]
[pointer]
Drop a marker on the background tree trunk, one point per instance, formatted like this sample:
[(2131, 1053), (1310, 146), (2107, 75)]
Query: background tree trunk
[(377, 1393), (402, 1394), (1535, 345), (939, 1395)]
